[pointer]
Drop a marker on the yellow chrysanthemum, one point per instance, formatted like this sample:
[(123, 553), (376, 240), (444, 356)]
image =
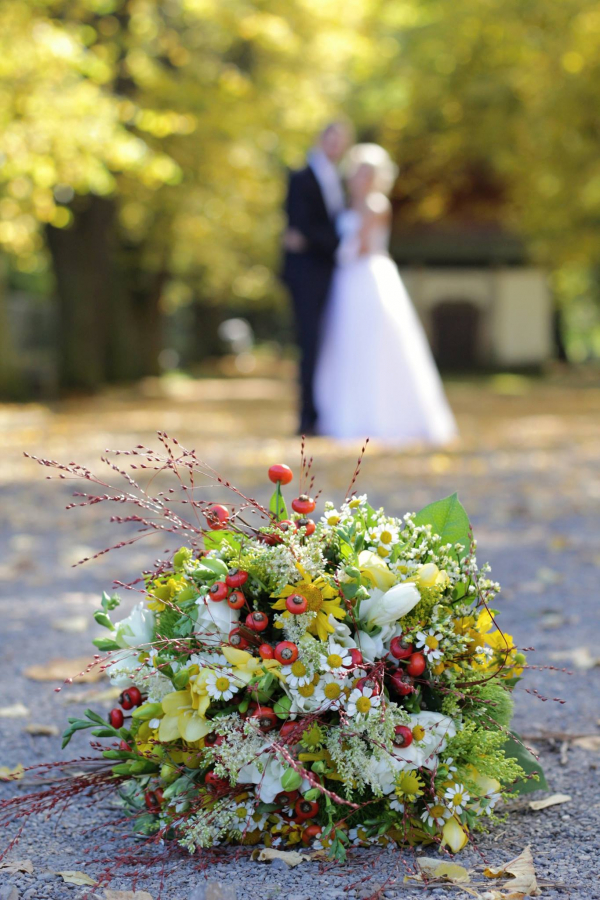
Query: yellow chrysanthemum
[(409, 786), (322, 598), (506, 656)]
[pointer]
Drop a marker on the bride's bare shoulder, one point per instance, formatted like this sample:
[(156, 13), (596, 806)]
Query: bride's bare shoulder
[(379, 205)]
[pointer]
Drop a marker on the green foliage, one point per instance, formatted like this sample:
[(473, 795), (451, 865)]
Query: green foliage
[(449, 519), (514, 749), (497, 701), (485, 749)]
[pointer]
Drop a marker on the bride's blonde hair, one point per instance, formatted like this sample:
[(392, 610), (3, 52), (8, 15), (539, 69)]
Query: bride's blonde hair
[(378, 159)]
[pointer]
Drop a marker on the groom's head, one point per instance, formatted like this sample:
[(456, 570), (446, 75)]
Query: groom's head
[(335, 139)]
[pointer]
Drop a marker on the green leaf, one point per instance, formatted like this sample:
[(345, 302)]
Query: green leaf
[(214, 539), (277, 505), (447, 518), (282, 707), (216, 566), (103, 619), (148, 711), (530, 765), (105, 644)]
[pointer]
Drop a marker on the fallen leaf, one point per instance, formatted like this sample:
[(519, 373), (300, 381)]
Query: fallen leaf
[(523, 882), (16, 711), (444, 870), (290, 857), (580, 657), (588, 742), (98, 696), (39, 728), (15, 774), (71, 625), (17, 865), (554, 800), (76, 878), (127, 895), (63, 669)]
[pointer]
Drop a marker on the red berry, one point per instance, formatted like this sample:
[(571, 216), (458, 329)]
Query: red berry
[(285, 525), (368, 682), (266, 651), (402, 683), (215, 783), (267, 719), (213, 740), (257, 621), (115, 717), (416, 665), (287, 797), (303, 504), (218, 591), (310, 833), (307, 524), (401, 649), (236, 578), (153, 799), (125, 746), (237, 639), (125, 700), (296, 604), (290, 730), (269, 539), (135, 695), (357, 658), (280, 473), (286, 653), (305, 809), (217, 517), (236, 600), (404, 736)]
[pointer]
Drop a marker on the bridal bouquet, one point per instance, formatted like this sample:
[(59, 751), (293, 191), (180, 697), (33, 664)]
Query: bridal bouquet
[(301, 679)]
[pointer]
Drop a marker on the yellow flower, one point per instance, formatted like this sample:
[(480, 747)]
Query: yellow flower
[(246, 667), (454, 835), (506, 655), (162, 591), (429, 575), (373, 568), (322, 598), (185, 712), (409, 786)]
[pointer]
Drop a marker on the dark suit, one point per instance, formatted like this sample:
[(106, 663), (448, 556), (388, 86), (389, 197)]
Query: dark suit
[(308, 277)]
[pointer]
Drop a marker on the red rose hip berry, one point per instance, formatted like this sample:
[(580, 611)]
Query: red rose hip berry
[(401, 649), (286, 653), (218, 591), (356, 656), (296, 604), (280, 473), (266, 651), (116, 718), (257, 621), (237, 639), (236, 600), (217, 517), (368, 682), (303, 505), (307, 524), (402, 683), (236, 578), (215, 783), (416, 665), (267, 719), (305, 809), (310, 833), (403, 736)]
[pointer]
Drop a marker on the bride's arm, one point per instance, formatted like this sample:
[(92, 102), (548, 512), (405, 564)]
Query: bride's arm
[(378, 215)]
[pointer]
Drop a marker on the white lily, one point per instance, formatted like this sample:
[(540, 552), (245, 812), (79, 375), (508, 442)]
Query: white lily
[(268, 782), (386, 607), (135, 631)]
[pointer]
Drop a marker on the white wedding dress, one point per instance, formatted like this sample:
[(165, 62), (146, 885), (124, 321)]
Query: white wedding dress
[(375, 374)]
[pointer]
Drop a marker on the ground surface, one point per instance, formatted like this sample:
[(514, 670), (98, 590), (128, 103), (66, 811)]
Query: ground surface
[(527, 469)]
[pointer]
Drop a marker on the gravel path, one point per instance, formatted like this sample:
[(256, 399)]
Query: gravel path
[(531, 483)]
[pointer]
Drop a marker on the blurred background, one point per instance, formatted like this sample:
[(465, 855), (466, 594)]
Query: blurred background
[(143, 156)]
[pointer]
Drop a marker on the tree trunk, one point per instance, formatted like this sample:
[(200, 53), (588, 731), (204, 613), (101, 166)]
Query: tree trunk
[(83, 270), (11, 384)]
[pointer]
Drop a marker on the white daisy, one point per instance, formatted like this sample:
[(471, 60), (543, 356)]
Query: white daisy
[(487, 804), (362, 703), (221, 684), (331, 516), (395, 804), (436, 815), (338, 659), (297, 675), (333, 688), (429, 642), (457, 798)]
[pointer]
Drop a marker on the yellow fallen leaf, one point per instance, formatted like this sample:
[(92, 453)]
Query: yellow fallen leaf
[(16, 711), (98, 696), (126, 895), (62, 669), (589, 742), (71, 625), (39, 728), (15, 774), (554, 800), (76, 878), (17, 865), (443, 869), (290, 857), (523, 881)]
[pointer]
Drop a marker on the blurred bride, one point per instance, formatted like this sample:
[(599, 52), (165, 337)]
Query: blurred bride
[(375, 374)]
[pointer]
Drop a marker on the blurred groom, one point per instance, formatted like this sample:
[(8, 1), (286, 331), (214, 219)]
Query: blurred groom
[(314, 200)]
